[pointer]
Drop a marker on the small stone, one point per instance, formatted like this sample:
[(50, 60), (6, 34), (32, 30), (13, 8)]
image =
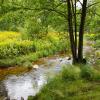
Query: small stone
[(35, 66), (61, 60), (68, 58)]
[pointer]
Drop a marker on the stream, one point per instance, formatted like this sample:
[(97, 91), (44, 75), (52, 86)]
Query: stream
[(18, 87)]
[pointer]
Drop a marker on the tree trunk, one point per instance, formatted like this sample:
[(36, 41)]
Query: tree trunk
[(81, 31), (75, 25), (70, 24)]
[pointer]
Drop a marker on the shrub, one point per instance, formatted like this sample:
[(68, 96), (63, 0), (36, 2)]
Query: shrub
[(20, 61), (42, 44), (33, 29), (25, 46), (97, 44), (59, 44), (87, 73), (15, 48), (7, 62), (75, 88), (90, 36), (71, 73), (4, 36), (12, 46)]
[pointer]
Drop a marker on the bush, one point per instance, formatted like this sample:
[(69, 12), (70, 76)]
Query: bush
[(4, 36), (75, 88), (20, 61), (90, 36), (9, 49), (42, 45), (93, 36), (71, 73), (7, 62), (33, 29), (87, 72), (12, 46), (97, 44), (58, 43)]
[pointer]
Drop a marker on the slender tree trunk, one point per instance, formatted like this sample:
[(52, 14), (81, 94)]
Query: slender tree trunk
[(81, 31), (75, 22), (73, 3), (70, 24)]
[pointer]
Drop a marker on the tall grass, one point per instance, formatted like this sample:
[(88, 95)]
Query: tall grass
[(73, 83)]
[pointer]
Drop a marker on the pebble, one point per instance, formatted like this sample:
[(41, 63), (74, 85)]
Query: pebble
[(35, 66)]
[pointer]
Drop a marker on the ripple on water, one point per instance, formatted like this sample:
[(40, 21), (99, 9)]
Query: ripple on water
[(30, 83)]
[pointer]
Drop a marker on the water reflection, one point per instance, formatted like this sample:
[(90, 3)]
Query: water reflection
[(30, 83), (23, 86)]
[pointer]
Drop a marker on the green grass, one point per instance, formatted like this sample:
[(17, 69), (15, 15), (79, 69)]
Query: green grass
[(73, 83), (26, 60)]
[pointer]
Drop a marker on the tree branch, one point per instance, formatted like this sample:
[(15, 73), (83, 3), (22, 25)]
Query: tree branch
[(93, 4), (80, 2), (18, 7)]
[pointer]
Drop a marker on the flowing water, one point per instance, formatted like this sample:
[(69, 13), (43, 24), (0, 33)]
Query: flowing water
[(17, 87), (22, 86)]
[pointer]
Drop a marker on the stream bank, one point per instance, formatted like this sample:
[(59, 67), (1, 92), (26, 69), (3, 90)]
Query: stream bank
[(29, 83)]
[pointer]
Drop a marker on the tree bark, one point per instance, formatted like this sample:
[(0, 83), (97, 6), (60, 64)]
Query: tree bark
[(81, 31), (75, 22), (70, 24)]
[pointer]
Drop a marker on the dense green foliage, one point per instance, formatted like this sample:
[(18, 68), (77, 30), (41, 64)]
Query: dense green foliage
[(16, 51), (11, 48), (73, 83), (95, 38), (32, 29), (11, 45)]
